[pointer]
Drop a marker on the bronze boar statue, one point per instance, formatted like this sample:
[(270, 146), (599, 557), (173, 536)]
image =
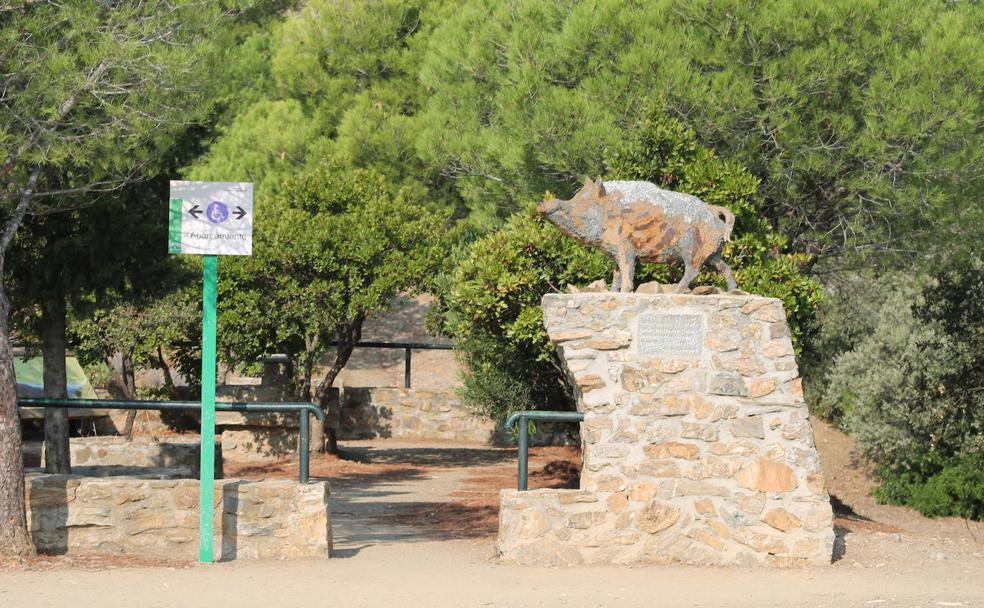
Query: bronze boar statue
[(636, 221)]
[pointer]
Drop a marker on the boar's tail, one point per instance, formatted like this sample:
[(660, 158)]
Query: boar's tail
[(729, 219)]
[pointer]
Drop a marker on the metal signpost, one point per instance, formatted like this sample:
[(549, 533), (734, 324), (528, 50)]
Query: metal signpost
[(209, 219)]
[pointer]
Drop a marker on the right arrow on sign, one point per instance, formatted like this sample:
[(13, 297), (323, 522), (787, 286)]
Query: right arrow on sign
[(240, 213), (195, 212)]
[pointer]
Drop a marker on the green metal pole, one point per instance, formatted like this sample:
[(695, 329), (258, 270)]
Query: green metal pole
[(524, 453), (210, 274), (304, 445)]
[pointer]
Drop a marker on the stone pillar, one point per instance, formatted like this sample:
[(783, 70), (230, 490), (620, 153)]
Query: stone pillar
[(696, 442)]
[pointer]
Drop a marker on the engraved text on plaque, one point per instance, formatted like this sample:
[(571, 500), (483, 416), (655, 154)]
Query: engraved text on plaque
[(661, 333)]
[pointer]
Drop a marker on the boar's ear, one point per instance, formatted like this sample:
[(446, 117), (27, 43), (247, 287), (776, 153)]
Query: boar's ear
[(600, 184), (587, 182)]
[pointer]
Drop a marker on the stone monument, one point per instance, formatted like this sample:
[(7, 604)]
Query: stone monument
[(696, 441)]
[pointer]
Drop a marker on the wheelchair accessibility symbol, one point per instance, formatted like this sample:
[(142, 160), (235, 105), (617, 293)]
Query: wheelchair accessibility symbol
[(217, 212)]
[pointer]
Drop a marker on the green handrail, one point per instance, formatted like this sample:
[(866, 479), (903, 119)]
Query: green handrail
[(524, 435), (303, 410)]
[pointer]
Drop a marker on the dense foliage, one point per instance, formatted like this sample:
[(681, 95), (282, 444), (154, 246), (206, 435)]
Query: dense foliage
[(859, 119), (492, 302), (332, 79), (862, 119), (908, 388)]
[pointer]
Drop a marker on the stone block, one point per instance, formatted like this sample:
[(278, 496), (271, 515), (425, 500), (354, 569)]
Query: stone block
[(696, 430), (269, 519), (657, 516), (728, 385), (750, 426), (781, 520), (673, 449), (763, 475), (761, 387)]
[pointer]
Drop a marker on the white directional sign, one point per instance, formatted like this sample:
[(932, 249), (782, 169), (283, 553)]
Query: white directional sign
[(211, 218)]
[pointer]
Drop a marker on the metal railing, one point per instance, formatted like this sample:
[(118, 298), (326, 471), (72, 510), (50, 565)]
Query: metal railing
[(524, 435), (407, 348), (303, 411)]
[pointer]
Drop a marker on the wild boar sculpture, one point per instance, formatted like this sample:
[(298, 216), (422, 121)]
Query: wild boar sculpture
[(637, 221)]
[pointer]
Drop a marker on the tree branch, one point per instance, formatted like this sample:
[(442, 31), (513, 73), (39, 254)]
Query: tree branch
[(27, 193)]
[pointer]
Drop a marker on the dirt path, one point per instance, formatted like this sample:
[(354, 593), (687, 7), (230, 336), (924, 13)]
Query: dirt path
[(458, 573), (414, 525), (411, 504)]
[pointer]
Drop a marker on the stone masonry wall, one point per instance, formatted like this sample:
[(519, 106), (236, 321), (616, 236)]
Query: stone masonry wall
[(365, 413), (141, 452), (259, 437), (267, 519), (697, 444), (415, 414)]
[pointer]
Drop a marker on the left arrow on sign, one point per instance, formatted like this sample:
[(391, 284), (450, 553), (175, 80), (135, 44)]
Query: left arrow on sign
[(195, 212)]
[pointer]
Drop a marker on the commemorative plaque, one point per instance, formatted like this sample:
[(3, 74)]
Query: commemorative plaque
[(670, 334)]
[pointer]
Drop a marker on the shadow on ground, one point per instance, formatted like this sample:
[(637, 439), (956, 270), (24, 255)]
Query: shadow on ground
[(385, 492), (404, 494), (430, 456)]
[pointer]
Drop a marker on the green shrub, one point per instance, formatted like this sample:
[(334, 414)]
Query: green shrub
[(909, 391), (934, 488), (866, 326), (491, 306), (853, 307), (491, 303)]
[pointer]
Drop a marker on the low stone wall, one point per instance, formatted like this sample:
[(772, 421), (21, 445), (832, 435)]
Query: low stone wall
[(414, 414), (119, 470), (159, 517), (259, 437), (366, 413), (141, 452)]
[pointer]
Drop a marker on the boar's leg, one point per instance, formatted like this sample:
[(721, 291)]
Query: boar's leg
[(724, 269), (616, 279), (689, 273), (626, 271)]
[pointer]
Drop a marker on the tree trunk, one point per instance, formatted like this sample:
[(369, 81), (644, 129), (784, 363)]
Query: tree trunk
[(307, 375), (131, 417), (165, 369), (15, 540), (124, 380), (53, 340), (322, 438), (118, 389), (347, 337)]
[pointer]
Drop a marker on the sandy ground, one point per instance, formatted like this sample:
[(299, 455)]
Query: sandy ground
[(413, 526)]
